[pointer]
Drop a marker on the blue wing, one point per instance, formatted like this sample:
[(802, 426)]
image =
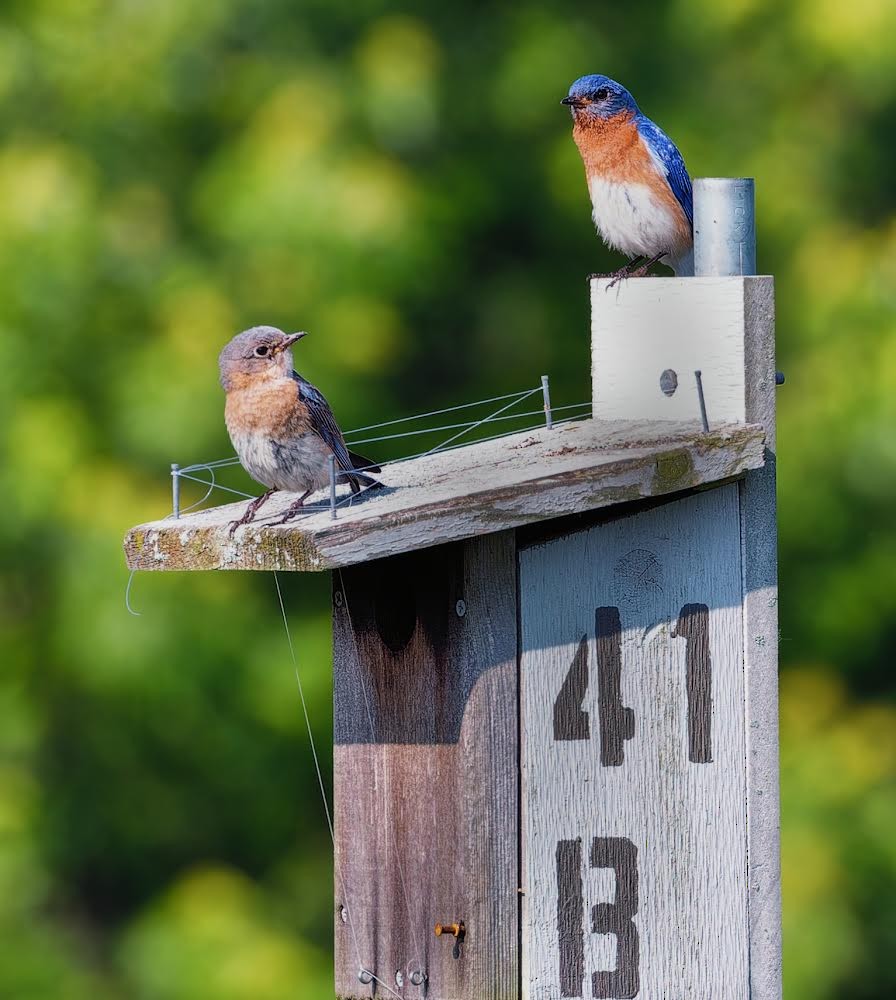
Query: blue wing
[(322, 420), (324, 425), (665, 150)]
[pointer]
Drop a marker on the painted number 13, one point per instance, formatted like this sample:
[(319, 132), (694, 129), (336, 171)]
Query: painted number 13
[(620, 855)]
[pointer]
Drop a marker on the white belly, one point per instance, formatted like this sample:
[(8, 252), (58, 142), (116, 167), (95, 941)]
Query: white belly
[(296, 465), (633, 220)]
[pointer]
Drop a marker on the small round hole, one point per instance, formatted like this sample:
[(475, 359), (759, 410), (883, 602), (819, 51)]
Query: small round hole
[(669, 382)]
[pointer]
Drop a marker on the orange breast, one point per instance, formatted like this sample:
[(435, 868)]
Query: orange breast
[(613, 149), (262, 406)]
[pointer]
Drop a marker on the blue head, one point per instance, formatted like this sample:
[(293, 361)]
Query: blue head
[(597, 97)]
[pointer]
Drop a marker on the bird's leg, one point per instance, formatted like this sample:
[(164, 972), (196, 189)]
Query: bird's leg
[(622, 272), (251, 510), (293, 510), (642, 269)]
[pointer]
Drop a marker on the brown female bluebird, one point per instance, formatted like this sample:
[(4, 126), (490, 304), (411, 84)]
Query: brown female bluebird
[(281, 426)]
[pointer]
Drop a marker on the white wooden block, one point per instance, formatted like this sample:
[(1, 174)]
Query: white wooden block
[(633, 756), (644, 327)]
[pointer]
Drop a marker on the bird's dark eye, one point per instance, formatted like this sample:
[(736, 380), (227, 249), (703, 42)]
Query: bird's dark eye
[(601, 94), (262, 351)]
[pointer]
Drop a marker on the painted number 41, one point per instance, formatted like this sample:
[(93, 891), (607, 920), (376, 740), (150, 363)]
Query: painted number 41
[(616, 722)]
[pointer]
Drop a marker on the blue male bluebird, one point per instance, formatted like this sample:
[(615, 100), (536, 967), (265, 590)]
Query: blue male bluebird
[(639, 186), (281, 426)]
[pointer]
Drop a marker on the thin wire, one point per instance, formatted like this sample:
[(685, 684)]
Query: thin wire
[(482, 440), (218, 463), (217, 486), (211, 486), (436, 413), (404, 889), (464, 444), (484, 420), (491, 437), (468, 423), (127, 595), (184, 510), (568, 420), (445, 446), (323, 792), (234, 460), (349, 498)]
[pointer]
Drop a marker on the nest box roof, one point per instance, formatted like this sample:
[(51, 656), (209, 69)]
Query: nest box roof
[(491, 486)]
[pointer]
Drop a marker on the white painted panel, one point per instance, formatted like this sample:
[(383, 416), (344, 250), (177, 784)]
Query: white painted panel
[(642, 327), (685, 820)]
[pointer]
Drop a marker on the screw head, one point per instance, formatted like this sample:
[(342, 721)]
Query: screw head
[(343, 914), (399, 978), (364, 976), (417, 977), (338, 599), (460, 608)]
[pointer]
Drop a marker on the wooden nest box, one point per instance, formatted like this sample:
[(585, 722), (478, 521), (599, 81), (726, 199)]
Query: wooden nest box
[(555, 679)]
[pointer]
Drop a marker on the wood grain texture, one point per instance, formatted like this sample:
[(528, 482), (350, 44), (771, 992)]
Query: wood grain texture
[(663, 838), (428, 793), (726, 328), (760, 610), (487, 487)]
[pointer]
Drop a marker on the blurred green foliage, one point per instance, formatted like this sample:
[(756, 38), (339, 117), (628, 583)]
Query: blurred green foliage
[(400, 180)]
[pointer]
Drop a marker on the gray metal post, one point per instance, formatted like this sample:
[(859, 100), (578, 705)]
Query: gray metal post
[(175, 490), (546, 392), (724, 226)]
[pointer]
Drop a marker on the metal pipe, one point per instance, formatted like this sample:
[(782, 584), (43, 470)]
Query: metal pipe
[(175, 490), (546, 392), (724, 226)]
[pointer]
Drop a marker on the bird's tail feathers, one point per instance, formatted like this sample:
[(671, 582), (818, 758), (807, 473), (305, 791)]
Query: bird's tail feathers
[(358, 481), (360, 462)]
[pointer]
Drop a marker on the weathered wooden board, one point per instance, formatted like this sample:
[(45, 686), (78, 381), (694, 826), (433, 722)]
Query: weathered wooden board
[(633, 757), (725, 327), (759, 535), (487, 487), (426, 766)]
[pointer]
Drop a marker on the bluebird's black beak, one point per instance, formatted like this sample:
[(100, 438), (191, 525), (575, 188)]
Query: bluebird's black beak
[(573, 102), (291, 339)]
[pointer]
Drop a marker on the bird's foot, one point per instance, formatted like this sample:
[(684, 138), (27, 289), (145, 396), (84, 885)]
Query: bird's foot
[(617, 276), (291, 512), (638, 267), (642, 269), (250, 512), (623, 272), (294, 509)]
